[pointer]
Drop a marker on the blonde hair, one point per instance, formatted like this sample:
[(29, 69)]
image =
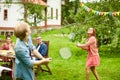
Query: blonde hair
[(20, 30)]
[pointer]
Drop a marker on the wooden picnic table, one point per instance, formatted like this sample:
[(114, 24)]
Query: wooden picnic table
[(9, 54)]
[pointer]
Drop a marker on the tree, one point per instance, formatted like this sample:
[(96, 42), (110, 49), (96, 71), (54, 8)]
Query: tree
[(69, 10), (35, 12), (31, 11), (107, 26)]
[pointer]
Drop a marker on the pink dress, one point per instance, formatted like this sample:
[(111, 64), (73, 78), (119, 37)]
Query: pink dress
[(93, 58)]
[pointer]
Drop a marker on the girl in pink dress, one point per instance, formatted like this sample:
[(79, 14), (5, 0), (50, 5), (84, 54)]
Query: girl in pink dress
[(93, 58)]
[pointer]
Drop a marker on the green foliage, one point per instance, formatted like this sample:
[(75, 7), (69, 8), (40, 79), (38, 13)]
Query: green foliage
[(74, 67), (34, 12), (107, 27), (8, 1), (69, 10)]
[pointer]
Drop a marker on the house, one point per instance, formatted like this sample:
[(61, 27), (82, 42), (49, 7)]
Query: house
[(12, 13)]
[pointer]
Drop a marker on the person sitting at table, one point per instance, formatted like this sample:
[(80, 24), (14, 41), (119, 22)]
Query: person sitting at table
[(8, 45), (41, 47)]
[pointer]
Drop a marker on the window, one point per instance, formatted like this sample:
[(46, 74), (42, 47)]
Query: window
[(51, 13), (11, 33), (5, 14), (2, 32), (56, 13)]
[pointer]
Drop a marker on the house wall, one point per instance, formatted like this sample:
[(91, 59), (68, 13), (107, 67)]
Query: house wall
[(55, 4), (15, 13)]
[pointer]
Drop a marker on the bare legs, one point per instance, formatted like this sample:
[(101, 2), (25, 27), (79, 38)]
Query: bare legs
[(87, 73), (93, 71)]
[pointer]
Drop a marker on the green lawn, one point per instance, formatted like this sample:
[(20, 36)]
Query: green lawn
[(74, 67)]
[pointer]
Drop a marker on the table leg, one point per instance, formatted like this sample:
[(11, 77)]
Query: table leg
[(13, 68)]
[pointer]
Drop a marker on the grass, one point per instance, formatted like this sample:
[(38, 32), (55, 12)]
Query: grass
[(74, 67)]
